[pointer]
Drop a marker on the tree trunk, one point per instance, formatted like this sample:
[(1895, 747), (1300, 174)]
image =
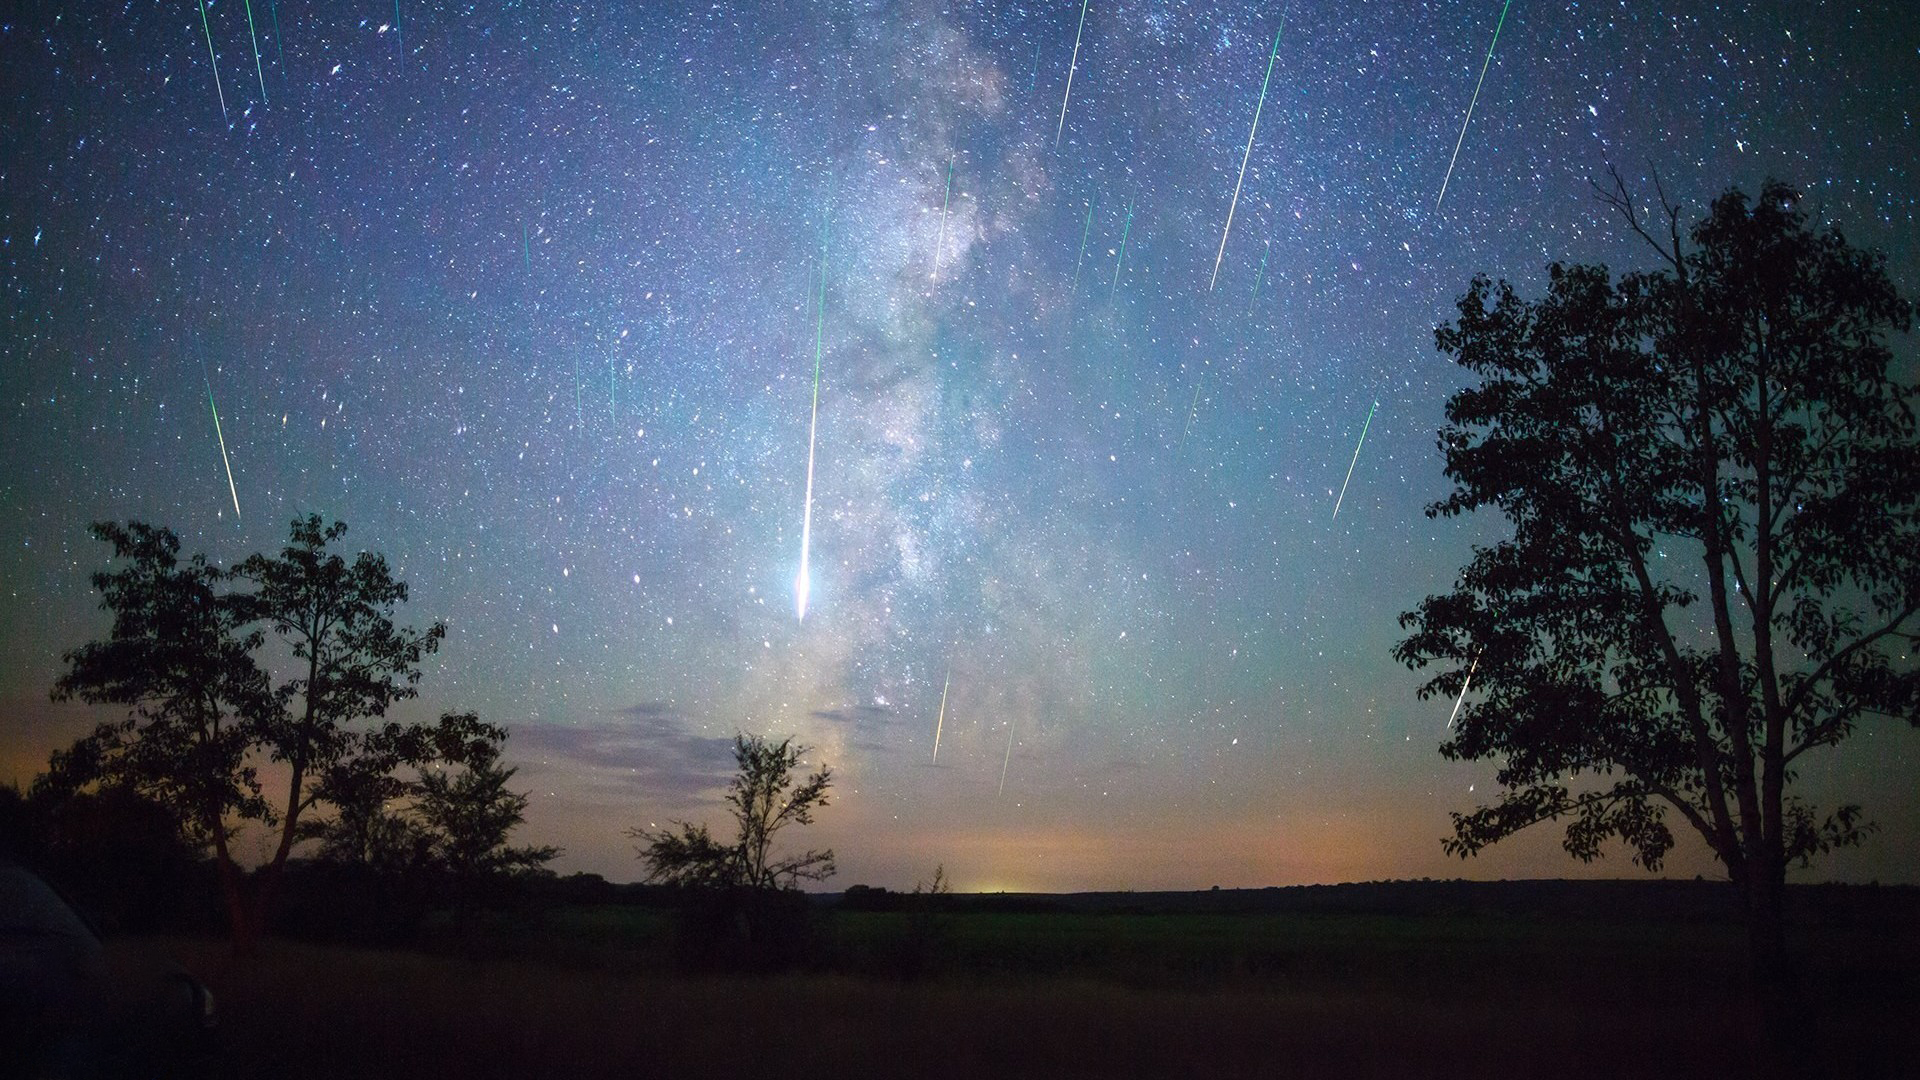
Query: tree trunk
[(1782, 1016)]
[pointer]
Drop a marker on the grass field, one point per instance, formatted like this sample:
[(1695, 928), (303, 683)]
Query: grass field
[(592, 991)]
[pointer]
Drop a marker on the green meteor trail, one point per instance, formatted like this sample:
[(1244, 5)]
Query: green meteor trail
[(1072, 66), (1355, 461), (256, 53), (231, 489), (1078, 259), (1245, 154), (213, 59), (1125, 231), (1472, 102)]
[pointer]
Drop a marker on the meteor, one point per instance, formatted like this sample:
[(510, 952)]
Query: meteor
[(941, 722), (214, 60), (944, 201), (1072, 65), (1125, 231), (1468, 681), (1259, 277), (1004, 760), (1078, 259), (1192, 412), (231, 489), (256, 53), (1355, 461), (803, 582), (1245, 154), (1473, 101)]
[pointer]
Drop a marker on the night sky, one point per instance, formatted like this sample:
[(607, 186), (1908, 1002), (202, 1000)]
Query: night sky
[(530, 295)]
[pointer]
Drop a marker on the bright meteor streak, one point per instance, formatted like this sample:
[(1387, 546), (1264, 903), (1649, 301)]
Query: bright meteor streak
[(1468, 681), (231, 489), (1248, 152), (1072, 66), (1473, 101), (942, 245), (257, 70), (213, 59), (803, 583), (1355, 461), (942, 721)]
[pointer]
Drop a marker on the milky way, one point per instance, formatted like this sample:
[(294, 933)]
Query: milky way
[(532, 298)]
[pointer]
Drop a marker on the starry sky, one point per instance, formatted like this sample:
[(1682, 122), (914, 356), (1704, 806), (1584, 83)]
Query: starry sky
[(531, 295)]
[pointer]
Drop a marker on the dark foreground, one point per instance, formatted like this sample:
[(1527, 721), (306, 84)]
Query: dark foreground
[(1609, 984)]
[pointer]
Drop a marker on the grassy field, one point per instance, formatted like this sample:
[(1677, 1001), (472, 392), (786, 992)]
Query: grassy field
[(592, 991)]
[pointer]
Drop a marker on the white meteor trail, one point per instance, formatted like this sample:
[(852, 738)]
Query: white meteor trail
[(1004, 760), (214, 60), (942, 721), (1472, 102), (1355, 461), (1468, 681), (1072, 66), (231, 489), (803, 582), (942, 245), (1231, 207)]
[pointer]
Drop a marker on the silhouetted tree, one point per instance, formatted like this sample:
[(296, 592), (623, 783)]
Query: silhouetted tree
[(181, 653), (1713, 481), (336, 618), (761, 805), (466, 816), (397, 808)]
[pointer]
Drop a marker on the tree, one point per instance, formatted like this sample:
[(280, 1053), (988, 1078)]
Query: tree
[(181, 655), (336, 618), (761, 805), (398, 810), (204, 714), (1713, 479), (466, 817)]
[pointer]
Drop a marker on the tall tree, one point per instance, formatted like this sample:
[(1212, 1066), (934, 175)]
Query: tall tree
[(1712, 473), (205, 716), (336, 618), (180, 654), (762, 804)]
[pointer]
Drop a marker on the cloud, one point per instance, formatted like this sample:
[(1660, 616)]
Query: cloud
[(856, 714), (649, 752)]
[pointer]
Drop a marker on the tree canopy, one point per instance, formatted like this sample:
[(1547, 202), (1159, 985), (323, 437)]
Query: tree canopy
[(763, 800), (1712, 474), (184, 653)]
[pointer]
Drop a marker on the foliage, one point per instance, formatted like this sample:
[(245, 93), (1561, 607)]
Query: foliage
[(1713, 481), (452, 824), (762, 805), (180, 653), (183, 654)]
